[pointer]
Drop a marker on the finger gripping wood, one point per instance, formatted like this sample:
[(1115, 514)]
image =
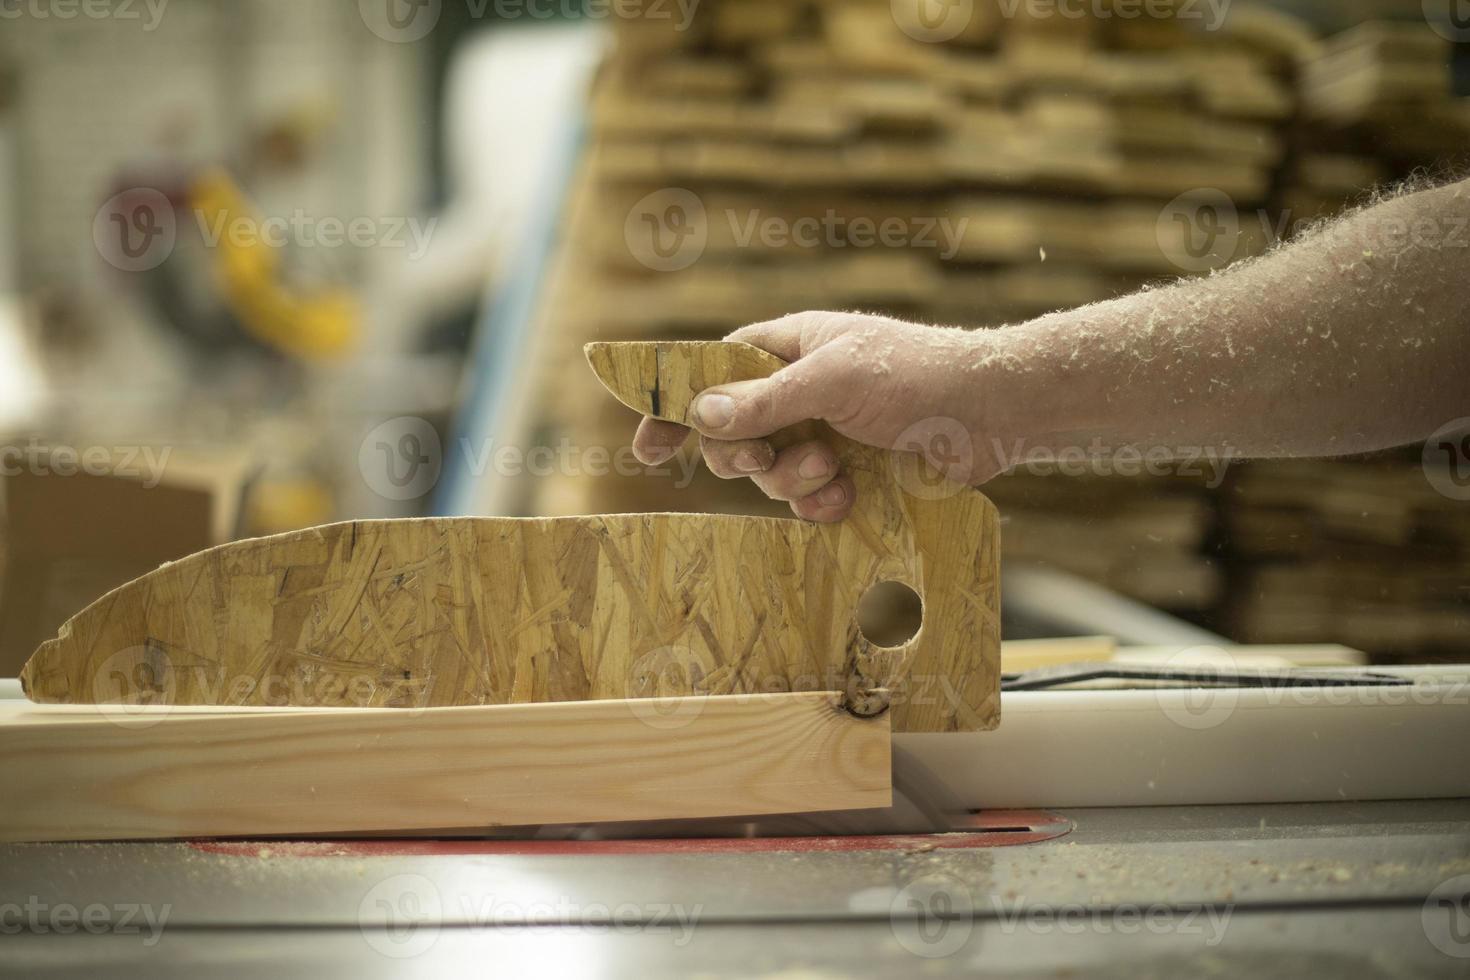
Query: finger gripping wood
[(908, 525), (468, 611)]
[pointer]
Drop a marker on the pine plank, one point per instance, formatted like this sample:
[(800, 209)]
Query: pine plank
[(153, 772)]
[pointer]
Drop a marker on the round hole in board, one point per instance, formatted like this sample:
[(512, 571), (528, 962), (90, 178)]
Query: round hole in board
[(889, 614)]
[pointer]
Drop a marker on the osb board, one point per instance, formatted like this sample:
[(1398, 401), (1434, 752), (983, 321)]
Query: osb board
[(464, 611)]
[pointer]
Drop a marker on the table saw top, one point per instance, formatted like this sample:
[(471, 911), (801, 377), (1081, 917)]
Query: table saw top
[(1276, 890)]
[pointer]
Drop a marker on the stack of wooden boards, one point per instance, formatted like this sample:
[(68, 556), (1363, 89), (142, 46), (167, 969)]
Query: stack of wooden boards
[(1145, 537), (1026, 160), (1376, 104), (1024, 134), (1370, 555)]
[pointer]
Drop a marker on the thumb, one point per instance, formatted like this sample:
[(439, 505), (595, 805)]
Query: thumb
[(811, 388)]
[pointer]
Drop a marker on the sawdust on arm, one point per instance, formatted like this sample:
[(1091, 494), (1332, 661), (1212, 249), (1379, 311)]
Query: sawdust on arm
[(1351, 338)]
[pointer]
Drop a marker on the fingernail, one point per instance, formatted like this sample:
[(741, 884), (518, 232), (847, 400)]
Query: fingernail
[(746, 462), (657, 455), (813, 467), (832, 495), (714, 411)]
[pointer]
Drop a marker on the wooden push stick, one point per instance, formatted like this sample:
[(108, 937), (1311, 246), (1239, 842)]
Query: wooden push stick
[(158, 772), (471, 611), (909, 525)]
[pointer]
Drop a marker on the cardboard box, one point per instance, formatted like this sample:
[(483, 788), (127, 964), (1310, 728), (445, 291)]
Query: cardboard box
[(79, 524)]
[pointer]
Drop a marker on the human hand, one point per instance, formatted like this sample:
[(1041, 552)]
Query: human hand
[(876, 380)]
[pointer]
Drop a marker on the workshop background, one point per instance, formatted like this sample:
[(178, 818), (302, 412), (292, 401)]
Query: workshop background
[(266, 264)]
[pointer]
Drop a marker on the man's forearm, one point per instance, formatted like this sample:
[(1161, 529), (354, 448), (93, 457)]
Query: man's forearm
[(1353, 338)]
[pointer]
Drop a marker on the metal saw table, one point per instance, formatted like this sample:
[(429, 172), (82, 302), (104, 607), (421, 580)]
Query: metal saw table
[(1289, 890)]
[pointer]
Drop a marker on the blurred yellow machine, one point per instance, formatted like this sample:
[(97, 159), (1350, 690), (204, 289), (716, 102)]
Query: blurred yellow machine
[(312, 325)]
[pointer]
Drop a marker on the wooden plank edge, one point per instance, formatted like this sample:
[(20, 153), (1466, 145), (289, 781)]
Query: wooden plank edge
[(151, 773)]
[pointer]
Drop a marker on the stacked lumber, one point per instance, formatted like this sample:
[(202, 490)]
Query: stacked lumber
[(1377, 102), (1376, 72), (811, 154), (1366, 553), (1044, 158), (1144, 537), (1369, 555)]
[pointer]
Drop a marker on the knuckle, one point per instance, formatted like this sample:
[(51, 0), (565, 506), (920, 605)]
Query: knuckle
[(821, 326)]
